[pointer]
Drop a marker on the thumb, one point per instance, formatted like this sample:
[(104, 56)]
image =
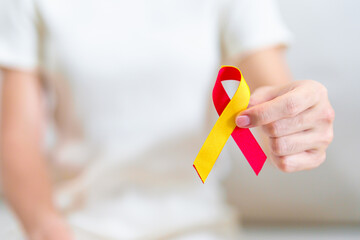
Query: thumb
[(257, 98)]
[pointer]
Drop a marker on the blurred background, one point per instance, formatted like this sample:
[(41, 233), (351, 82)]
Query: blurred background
[(323, 203), (325, 48)]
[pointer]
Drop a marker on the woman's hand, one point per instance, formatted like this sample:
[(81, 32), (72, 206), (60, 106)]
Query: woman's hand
[(298, 120)]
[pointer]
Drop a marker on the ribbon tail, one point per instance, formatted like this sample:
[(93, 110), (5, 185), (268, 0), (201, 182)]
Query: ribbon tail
[(212, 147), (250, 148)]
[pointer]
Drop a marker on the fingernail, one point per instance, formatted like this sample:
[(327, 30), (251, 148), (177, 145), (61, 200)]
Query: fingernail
[(242, 121)]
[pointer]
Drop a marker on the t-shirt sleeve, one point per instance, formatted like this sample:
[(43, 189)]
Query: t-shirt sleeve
[(249, 25), (18, 34)]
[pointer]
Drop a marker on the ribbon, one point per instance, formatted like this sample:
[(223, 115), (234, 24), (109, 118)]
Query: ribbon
[(225, 126)]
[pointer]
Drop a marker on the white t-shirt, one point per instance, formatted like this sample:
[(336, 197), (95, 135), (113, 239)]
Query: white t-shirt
[(137, 77)]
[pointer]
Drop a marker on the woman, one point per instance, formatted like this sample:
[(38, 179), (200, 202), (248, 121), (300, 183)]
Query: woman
[(129, 82)]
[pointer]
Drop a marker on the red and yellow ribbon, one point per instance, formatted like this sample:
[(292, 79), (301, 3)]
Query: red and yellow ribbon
[(225, 126)]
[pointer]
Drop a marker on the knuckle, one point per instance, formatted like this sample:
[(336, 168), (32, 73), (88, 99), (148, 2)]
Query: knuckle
[(286, 165), (329, 114), (320, 159), (291, 107), (298, 122), (318, 90), (278, 146), (322, 89), (273, 129), (328, 136), (317, 86), (262, 115)]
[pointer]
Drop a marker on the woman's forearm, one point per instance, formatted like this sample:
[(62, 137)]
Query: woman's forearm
[(24, 174), (265, 67)]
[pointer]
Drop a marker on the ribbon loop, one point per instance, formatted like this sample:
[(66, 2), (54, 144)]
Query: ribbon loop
[(225, 126)]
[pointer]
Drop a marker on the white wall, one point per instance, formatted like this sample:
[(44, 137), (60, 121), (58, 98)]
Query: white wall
[(326, 48)]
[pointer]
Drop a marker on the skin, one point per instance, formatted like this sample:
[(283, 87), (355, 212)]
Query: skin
[(296, 118), (25, 179)]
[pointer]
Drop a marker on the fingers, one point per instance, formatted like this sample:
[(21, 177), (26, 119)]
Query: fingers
[(301, 161), (288, 126), (287, 105), (310, 118), (298, 121), (299, 142), (294, 149), (304, 149)]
